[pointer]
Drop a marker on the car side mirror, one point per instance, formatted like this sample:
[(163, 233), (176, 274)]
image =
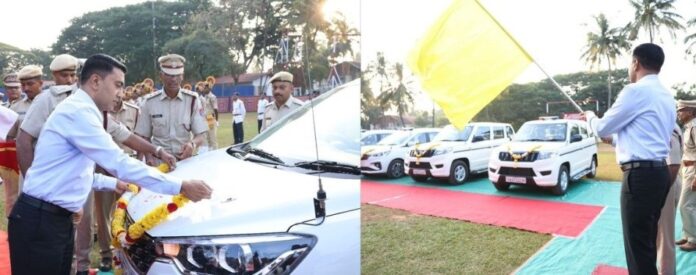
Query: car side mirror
[(575, 138), (477, 139)]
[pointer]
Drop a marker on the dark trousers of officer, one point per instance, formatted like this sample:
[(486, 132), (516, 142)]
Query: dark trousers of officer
[(238, 131), (260, 121), (643, 193), (41, 241)]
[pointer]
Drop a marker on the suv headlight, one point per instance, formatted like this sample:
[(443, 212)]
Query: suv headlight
[(546, 155), (245, 254), (380, 154), (441, 151)]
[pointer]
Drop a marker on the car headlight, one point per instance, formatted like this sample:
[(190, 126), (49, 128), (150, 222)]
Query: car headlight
[(380, 154), (546, 155), (440, 151), (245, 254)]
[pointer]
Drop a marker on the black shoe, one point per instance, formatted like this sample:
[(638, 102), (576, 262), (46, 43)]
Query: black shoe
[(85, 272), (105, 265)]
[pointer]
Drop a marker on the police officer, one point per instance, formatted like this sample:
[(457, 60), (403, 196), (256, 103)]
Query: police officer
[(238, 114), (211, 111), (30, 78), (686, 111), (170, 116), (13, 88), (284, 102), (260, 110)]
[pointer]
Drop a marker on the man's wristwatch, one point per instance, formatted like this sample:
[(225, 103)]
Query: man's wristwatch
[(158, 151)]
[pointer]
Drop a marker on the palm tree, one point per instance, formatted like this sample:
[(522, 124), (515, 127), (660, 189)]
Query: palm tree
[(651, 15), (397, 96), (690, 40), (605, 45)]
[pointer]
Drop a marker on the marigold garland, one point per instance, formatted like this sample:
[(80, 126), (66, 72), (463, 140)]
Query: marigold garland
[(419, 155), (516, 157)]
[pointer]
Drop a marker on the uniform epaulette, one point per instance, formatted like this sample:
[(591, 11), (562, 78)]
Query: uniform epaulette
[(270, 103), (153, 95), (131, 105), (59, 89), (187, 92), (297, 101)]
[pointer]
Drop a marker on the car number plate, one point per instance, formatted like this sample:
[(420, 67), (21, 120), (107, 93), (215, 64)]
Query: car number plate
[(516, 179), (419, 172)]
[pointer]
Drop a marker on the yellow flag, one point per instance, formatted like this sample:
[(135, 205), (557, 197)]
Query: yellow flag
[(465, 60)]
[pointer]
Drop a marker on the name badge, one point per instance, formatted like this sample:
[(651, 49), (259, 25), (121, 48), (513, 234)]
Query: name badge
[(156, 116)]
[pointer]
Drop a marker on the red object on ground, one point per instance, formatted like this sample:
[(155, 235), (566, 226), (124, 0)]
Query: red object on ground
[(609, 270), (8, 156), (565, 219), (4, 254)]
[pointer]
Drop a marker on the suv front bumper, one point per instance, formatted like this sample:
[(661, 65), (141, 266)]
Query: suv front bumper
[(436, 166), (543, 173)]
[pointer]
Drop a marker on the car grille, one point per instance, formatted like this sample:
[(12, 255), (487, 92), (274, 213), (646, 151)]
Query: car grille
[(505, 156), (425, 153), (518, 172), (420, 165), (142, 253)]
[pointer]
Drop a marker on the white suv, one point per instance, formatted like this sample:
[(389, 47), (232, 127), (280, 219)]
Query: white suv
[(387, 156), (453, 155), (547, 153)]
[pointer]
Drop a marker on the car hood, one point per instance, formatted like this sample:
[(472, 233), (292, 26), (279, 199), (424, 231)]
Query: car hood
[(374, 149), (247, 198), (526, 146)]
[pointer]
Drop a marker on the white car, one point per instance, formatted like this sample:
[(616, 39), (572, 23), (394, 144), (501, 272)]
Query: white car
[(547, 153), (453, 155), (387, 156), (371, 137), (265, 215)]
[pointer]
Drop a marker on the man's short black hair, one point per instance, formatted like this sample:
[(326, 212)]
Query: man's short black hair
[(650, 56), (100, 64)]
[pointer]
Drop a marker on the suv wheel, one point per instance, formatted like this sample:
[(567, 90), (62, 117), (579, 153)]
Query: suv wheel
[(563, 180), (396, 169), (420, 178), (459, 172), (501, 185), (593, 168)]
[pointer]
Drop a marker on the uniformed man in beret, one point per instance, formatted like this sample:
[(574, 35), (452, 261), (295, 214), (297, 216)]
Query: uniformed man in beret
[(171, 116), (13, 88), (30, 78), (284, 103), (686, 111)]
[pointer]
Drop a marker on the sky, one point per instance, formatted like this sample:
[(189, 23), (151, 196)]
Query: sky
[(552, 32)]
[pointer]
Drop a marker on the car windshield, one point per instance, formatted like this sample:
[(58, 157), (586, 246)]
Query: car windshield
[(372, 138), (542, 132), (395, 138), (337, 130), (450, 133)]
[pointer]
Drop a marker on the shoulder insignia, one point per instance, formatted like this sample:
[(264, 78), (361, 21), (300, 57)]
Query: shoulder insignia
[(59, 89), (187, 92), (131, 105), (153, 95), (270, 103)]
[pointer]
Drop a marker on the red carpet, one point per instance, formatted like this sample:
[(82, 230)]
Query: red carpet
[(565, 219), (609, 270), (4, 254)]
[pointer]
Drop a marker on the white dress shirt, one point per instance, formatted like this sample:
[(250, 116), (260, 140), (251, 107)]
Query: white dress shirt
[(70, 143), (642, 118), (238, 111), (261, 108)]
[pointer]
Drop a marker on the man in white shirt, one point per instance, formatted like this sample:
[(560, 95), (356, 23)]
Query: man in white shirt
[(260, 109), (238, 114), (62, 174), (642, 118)]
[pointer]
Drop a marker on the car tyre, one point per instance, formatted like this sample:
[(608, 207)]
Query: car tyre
[(593, 168), (395, 169), (459, 172), (501, 185), (563, 181)]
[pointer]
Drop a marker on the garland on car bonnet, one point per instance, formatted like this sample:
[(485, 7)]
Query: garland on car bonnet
[(122, 236), (516, 157), (419, 154)]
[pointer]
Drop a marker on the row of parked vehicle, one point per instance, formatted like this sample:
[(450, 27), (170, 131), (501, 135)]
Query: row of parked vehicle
[(547, 153)]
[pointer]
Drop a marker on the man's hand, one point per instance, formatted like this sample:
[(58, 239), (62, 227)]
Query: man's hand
[(196, 190), (169, 159), (187, 151), (121, 187), (150, 160), (608, 140), (77, 217)]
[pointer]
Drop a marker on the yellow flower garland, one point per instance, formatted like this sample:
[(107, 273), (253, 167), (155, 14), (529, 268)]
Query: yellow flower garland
[(419, 155), (516, 157)]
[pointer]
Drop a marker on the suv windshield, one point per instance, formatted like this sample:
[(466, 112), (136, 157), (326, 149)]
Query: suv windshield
[(395, 138), (450, 133), (337, 130), (542, 132)]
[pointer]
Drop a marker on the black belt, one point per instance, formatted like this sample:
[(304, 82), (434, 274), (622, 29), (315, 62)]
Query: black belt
[(42, 205), (261, 113), (642, 164)]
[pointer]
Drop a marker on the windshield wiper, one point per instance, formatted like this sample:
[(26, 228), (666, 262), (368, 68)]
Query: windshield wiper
[(329, 166), (266, 157)]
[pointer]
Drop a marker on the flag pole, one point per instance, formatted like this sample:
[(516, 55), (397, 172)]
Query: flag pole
[(529, 56)]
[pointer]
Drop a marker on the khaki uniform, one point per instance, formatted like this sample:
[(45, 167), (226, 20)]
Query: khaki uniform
[(687, 199), (21, 107), (210, 105), (13, 102), (45, 103), (14, 188), (170, 122), (666, 257), (272, 113)]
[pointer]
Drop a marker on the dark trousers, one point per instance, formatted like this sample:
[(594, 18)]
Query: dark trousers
[(643, 193), (238, 131), (41, 242), (260, 124)]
